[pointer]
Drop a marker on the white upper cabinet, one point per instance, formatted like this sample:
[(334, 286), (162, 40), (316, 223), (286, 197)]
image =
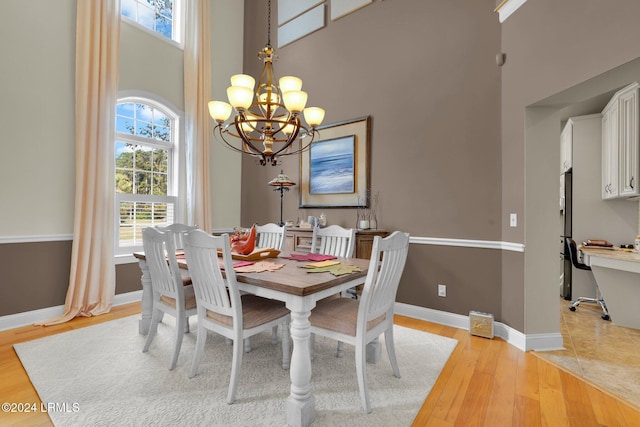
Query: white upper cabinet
[(566, 147), (620, 144), (628, 141)]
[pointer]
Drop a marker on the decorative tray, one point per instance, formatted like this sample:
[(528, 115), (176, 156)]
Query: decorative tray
[(256, 255)]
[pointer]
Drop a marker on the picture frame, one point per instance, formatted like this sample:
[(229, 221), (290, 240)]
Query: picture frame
[(334, 171)]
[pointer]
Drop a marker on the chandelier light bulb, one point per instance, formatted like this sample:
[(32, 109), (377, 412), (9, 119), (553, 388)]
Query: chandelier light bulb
[(243, 80), (295, 100), (313, 116), (288, 129), (219, 111), (275, 99), (240, 97), (289, 83)]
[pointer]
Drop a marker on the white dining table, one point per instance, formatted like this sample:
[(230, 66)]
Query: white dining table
[(300, 291)]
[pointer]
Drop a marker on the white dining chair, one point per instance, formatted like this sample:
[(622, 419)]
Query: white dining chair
[(270, 236), (221, 307), (170, 295), (359, 322), (333, 240), (337, 241), (176, 230)]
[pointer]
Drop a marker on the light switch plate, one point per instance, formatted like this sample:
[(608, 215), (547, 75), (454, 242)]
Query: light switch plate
[(513, 220)]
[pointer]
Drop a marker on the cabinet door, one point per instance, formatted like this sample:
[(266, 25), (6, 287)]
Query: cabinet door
[(566, 147), (610, 151), (628, 143)]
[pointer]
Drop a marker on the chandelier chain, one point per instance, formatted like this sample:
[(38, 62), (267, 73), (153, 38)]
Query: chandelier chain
[(269, 24)]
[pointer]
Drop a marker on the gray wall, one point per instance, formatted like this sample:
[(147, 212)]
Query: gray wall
[(559, 55), (425, 72)]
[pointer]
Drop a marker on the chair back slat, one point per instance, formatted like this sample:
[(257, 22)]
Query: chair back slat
[(160, 255), (333, 240), (214, 290), (388, 258), (176, 230), (270, 236)]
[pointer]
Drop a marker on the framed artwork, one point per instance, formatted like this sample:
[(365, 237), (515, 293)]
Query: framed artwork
[(334, 171)]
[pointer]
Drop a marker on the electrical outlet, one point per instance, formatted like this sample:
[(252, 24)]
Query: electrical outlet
[(513, 220), (442, 290)]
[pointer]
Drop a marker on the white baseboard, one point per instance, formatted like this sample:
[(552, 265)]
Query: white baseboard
[(538, 342), (30, 317)]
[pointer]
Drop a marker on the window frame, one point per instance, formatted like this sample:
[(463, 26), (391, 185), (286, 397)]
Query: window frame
[(177, 25), (175, 167)]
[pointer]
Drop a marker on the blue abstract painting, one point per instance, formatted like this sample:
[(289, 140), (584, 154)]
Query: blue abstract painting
[(332, 166)]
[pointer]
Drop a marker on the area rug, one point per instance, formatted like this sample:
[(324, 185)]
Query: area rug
[(98, 376)]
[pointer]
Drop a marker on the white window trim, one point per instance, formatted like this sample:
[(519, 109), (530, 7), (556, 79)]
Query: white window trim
[(177, 192), (178, 26)]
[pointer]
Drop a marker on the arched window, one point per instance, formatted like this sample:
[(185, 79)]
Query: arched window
[(145, 170)]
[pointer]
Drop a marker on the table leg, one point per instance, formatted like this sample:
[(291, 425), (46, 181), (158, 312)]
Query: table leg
[(373, 351), (147, 298), (301, 405)]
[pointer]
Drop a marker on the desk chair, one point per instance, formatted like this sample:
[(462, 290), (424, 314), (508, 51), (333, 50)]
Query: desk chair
[(570, 245)]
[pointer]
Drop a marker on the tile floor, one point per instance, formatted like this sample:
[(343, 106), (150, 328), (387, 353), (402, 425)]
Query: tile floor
[(605, 354)]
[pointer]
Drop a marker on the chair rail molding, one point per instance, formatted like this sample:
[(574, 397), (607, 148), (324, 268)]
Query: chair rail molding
[(36, 238), (467, 243)]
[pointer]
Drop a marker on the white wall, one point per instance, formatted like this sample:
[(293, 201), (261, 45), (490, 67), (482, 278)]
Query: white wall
[(37, 119)]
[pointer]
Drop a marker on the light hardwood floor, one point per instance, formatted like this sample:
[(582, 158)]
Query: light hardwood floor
[(484, 383)]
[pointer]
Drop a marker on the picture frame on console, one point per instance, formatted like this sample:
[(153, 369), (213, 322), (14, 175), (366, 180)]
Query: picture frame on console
[(334, 171)]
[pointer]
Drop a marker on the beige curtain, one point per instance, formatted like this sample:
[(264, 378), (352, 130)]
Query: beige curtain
[(197, 93), (92, 278)]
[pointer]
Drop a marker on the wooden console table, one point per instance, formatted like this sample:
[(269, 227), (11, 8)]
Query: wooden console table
[(298, 240)]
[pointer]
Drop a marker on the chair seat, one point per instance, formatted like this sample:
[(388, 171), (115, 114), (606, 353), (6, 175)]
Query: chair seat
[(189, 298), (186, 281), (340, 315), (256, 311)]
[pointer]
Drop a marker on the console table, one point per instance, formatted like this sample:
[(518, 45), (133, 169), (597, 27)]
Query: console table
[(298, 240)]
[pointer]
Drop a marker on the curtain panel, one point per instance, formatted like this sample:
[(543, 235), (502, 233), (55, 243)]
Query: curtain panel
[(197, 93), (92, 278)]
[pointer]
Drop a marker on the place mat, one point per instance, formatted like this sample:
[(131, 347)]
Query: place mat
[(337, 269), (309, 257), (236, 265), (259, 267), (321, 264)]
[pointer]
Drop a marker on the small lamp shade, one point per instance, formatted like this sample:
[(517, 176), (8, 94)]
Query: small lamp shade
[(219, 111), (295, 100), (240, 97), (289, 83), (313, 116), (243, 80), (282, 180)]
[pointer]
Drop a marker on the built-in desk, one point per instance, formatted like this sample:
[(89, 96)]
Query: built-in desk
[(617, 273)]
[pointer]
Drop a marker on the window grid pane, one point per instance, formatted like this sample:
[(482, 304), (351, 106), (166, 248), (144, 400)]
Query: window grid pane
[(156, 15), (134, 216)]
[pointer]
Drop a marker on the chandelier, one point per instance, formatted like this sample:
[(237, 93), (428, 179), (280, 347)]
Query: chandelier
[(267, 120)]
